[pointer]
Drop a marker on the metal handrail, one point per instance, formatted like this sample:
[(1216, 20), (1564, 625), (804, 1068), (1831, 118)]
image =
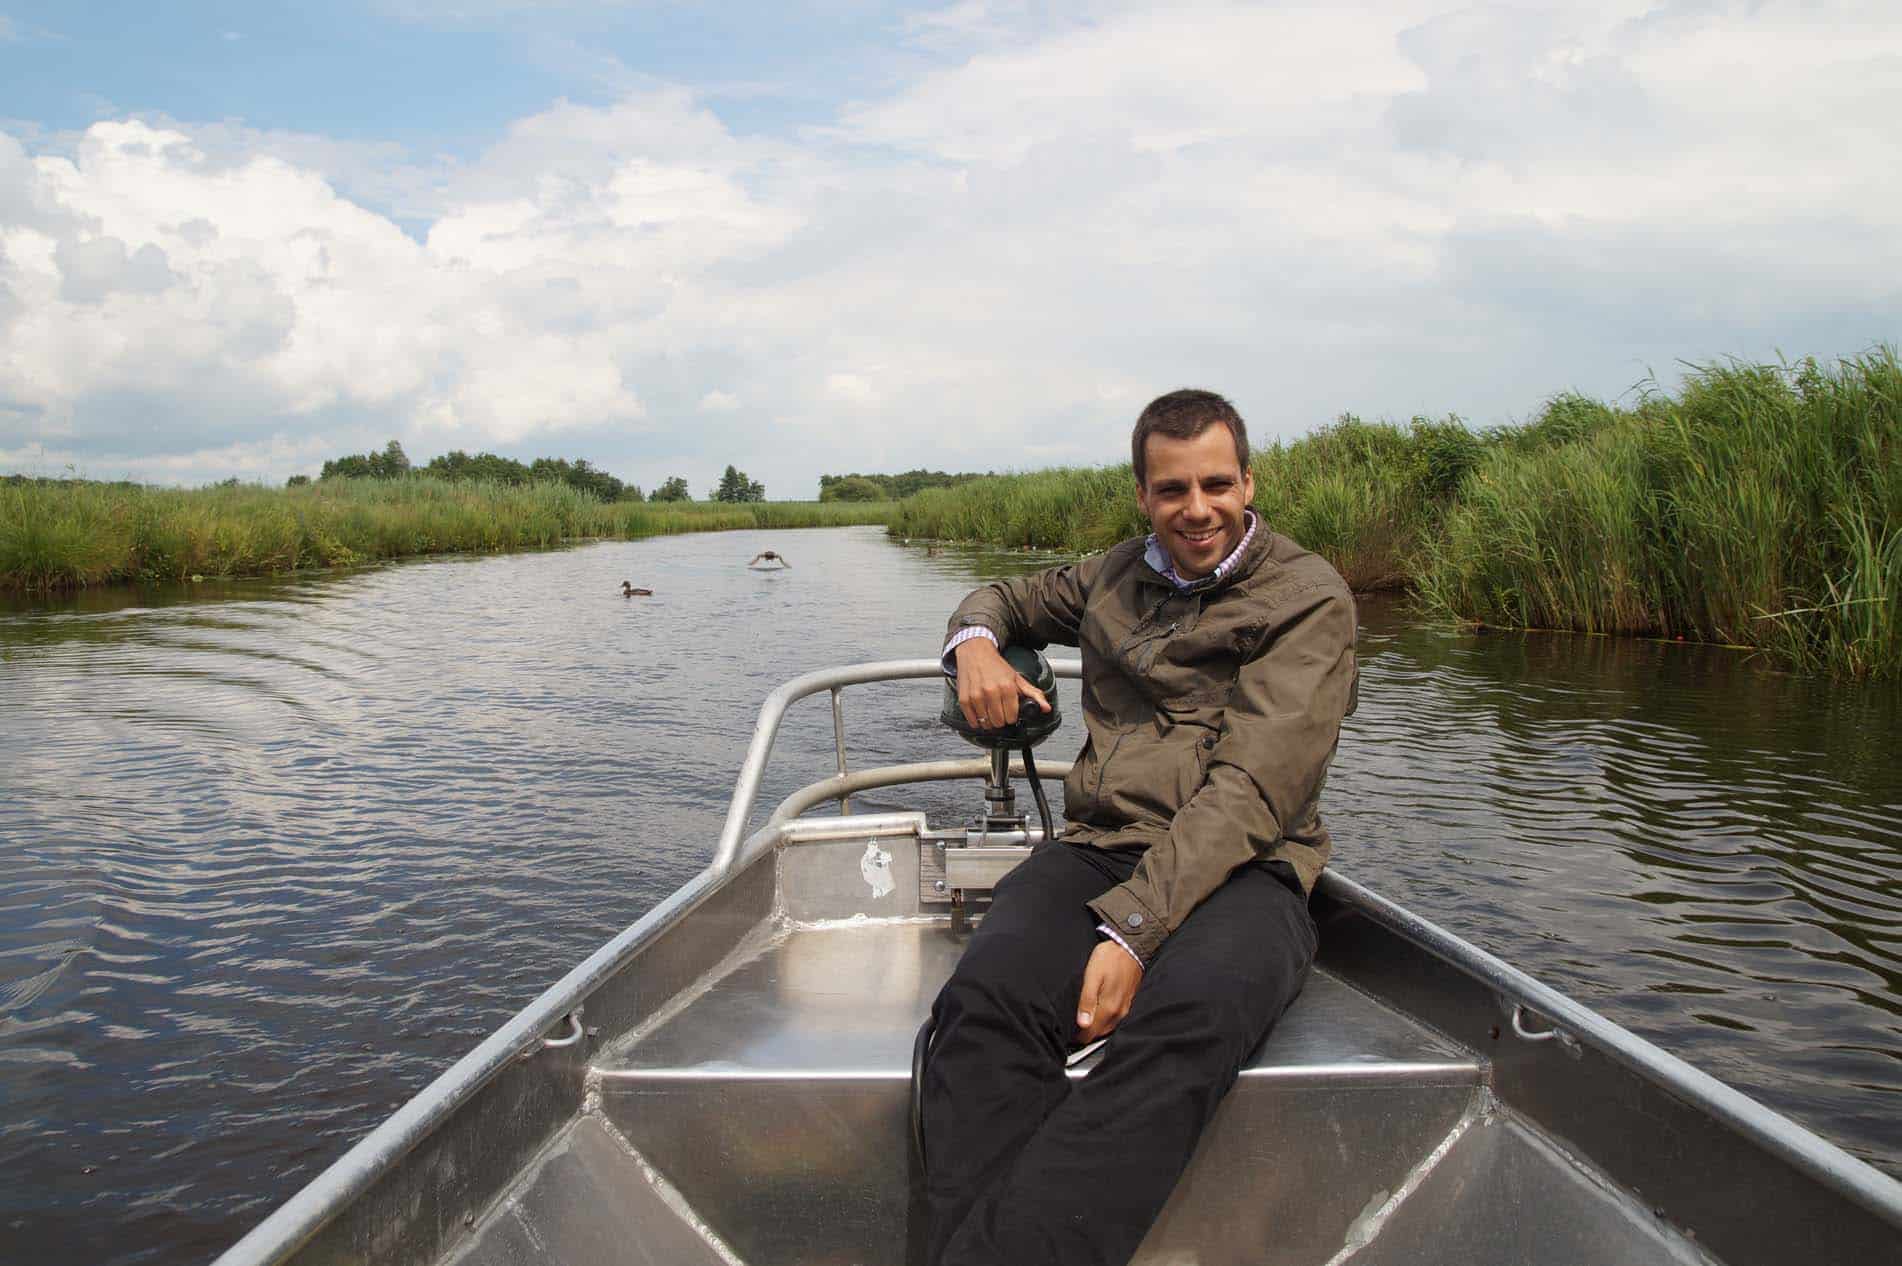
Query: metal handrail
[(844, 785), (773, 712)]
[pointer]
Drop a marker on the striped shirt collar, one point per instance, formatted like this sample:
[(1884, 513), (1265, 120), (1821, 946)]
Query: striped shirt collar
[(1158, 558)]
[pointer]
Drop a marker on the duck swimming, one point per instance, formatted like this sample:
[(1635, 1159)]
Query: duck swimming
[(629, 591)]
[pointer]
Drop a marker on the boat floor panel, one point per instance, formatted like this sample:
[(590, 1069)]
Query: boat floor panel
[(589, 1200), (1503, 1196)]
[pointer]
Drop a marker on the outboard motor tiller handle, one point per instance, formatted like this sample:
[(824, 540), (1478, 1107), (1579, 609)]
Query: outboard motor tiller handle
[(1033, 725)]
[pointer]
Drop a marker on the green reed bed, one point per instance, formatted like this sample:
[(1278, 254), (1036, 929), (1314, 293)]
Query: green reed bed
[(1761, 506), (62, 534), (1075, 508)]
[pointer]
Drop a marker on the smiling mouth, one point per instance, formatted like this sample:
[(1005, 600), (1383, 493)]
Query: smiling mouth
[(1200, 538)]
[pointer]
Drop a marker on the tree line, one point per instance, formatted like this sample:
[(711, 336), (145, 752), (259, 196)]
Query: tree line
[(886, 487), (391, 462), (735, 486)]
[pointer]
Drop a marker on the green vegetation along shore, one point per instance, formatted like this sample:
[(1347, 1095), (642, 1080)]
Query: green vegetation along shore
[(1759, 506), (67, 533)]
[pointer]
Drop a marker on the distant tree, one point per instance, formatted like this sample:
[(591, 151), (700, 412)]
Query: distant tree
[(892, 487), (487, 467), (297, 481), (391, 463), (579, 475), (597, 481), (736, 487), (674, 489), (851, 488), (395, 461)]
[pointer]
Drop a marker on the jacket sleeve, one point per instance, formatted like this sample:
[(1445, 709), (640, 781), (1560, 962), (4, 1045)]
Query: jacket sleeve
[(1270, 757), (1033, 610)]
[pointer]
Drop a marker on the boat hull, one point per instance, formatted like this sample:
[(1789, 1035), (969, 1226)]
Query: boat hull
[(728, 1081)]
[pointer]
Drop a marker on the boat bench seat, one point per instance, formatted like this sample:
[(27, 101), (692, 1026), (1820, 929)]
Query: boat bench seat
[(848, 1001), (775, 1100)]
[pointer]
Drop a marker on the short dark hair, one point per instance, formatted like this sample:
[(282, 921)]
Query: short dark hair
[(1183, 415)]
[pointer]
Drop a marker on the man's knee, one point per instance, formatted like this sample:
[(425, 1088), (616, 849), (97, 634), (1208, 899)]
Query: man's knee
[(993, 976), (1245, 994), (1230, 978)]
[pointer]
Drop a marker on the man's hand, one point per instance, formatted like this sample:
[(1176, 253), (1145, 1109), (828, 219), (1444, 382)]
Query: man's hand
[(1109, 986), (988, 687)]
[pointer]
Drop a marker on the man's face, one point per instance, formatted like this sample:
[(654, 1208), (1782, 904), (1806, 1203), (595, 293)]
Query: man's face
[(1194, 494)]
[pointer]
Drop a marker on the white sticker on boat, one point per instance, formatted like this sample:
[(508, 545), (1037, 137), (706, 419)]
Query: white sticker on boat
[(876, 867)]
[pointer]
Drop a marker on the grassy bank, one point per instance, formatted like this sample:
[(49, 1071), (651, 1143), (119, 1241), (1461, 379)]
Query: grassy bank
[(56, 535), (1759, 506)]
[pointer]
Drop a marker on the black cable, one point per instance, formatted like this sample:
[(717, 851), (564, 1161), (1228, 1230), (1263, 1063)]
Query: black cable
[(919, 1049), (1036, 789)]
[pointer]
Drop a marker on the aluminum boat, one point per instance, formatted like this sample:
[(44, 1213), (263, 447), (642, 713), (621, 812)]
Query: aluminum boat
[(728, 1081)]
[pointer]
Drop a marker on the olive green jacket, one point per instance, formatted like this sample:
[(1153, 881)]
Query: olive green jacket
[(1213, 713)]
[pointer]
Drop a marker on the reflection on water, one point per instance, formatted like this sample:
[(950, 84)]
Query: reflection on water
[(1704, 850), (273, 854)]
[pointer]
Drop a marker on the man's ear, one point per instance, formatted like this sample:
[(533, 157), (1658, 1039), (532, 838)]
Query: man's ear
[(1248, 487)]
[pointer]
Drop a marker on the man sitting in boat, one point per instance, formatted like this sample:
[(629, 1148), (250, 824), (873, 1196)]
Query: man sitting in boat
[(1218, 662)]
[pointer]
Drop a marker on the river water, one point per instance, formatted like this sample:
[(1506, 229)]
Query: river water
[(274, 853)]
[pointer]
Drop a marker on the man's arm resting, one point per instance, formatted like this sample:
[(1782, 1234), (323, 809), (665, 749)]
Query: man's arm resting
[(1031, 610)]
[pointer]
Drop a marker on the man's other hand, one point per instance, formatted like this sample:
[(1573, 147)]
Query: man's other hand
[(989, 688), (1109, 986)]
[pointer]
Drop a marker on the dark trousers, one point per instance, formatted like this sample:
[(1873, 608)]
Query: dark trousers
[(1022, 1165)]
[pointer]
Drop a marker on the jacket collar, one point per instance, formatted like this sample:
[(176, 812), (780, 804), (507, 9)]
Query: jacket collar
[(1165, 568)]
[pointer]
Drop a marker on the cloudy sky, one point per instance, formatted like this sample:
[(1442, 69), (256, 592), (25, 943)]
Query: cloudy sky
[(836, 235)]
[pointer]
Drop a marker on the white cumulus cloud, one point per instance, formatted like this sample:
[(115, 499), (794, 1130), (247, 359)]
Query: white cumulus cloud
[(1394, 207)]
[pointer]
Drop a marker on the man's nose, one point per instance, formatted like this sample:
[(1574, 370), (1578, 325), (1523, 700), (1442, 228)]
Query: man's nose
[(1198, 504)]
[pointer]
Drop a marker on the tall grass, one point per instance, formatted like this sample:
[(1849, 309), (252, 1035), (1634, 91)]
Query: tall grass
[(62, 534), (1076, 508), (1760, 506)]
